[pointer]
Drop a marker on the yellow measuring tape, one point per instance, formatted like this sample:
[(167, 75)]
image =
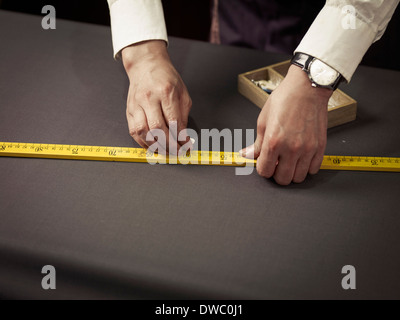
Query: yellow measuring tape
[(96, 153)]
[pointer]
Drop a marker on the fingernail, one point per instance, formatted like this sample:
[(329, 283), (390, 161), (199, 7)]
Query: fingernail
[(187, 146), (248, 152), (242, 152), (183, 151)]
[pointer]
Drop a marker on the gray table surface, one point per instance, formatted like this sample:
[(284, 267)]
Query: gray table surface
[(123, 230)]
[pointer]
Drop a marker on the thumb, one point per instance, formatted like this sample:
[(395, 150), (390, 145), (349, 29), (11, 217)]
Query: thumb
[(253, 151)]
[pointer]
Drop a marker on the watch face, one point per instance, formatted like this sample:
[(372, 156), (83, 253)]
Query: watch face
[(322, 74)]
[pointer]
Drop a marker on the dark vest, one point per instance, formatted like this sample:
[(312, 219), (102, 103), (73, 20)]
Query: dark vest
[(270, 25)]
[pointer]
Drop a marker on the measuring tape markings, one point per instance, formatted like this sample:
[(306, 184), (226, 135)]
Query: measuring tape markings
[(123, 154), (359, 163)]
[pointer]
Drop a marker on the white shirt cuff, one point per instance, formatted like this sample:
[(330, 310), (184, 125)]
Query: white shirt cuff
[(133, 21), (340, 48)]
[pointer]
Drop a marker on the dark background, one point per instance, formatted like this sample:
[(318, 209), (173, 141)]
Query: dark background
[(136, 231), (191, 19)]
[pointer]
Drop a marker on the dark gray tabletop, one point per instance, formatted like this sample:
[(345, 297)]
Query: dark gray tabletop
[(125, 230)]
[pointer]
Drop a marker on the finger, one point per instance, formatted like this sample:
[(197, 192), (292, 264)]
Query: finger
[(137, 124), (173, 121), (266, 147), (268, 159), (173, 117), (254, 151), (316, 163), (155, 120), (302, 169), (141, 130), (285, 170), (185, 107), (319, 156)]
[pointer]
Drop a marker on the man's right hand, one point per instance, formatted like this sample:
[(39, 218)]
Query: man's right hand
[(157, 95)]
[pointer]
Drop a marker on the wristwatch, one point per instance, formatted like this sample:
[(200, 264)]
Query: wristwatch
[(320, 74)]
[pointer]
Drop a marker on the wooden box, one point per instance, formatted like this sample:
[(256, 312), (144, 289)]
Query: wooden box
[(341, 107)]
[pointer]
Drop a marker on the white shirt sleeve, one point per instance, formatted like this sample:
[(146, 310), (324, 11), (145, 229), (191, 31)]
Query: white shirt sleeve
[(133, 21), (344, 30)]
